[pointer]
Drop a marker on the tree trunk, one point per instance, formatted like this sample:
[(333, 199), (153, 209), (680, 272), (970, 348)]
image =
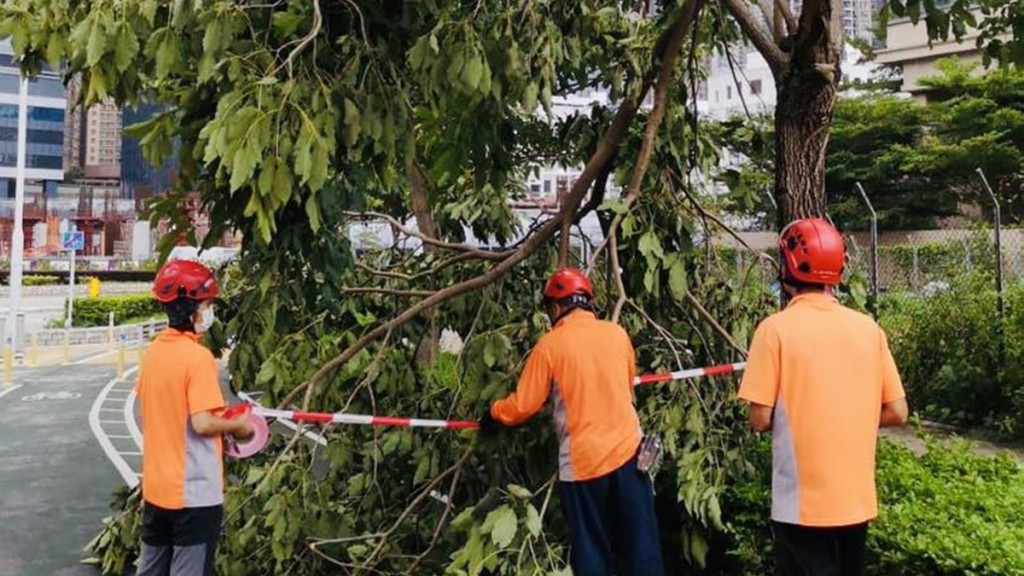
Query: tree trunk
[(803, 113), (419, 188), (803, 117)]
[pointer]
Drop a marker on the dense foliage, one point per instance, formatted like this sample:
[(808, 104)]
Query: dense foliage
[(946, 512), (917, 162), (960, 362)]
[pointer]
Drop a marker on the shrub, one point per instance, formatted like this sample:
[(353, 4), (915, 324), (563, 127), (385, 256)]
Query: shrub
[(41, 280), (88, 313), (948, 512), (959, 361)]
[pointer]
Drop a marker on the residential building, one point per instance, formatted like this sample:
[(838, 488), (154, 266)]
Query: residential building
[(92, 138), (859, 17), (908, 48), (741, 82)]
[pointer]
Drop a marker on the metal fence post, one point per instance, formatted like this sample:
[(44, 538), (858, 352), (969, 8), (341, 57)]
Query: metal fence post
[(999, 249), (874, 246)]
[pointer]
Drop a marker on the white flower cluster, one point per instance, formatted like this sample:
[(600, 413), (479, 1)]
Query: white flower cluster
[(450, 342)]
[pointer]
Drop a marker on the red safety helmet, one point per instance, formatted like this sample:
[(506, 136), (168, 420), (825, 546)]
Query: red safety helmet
[(567, 283), (813, 252), (184, 279)]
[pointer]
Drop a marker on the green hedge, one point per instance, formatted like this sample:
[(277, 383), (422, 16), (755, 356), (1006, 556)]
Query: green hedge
[(88, 312), (949, 512), (961, 363)]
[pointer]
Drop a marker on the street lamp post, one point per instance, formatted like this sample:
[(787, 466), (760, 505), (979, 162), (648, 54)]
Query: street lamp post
[(18, 236)]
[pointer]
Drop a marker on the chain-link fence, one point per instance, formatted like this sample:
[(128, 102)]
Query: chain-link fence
[(917, 262)]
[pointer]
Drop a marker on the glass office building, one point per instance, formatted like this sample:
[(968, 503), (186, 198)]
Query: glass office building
[(47, 105), (137, 174)]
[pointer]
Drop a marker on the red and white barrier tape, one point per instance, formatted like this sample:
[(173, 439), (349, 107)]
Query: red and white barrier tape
[(363, 419), (370, 420), (710, 371)]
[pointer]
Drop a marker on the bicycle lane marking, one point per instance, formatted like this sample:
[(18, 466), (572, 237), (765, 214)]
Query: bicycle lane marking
[(7, 391), (55, 488), (130, 477)]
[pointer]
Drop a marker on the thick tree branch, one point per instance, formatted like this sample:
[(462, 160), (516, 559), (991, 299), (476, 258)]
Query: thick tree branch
[(603, 154), (672, 50), (757, 35), (819, 41), (419, 189), (612, 137), (783, 8)]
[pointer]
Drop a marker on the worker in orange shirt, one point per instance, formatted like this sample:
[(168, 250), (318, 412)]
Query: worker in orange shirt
[(821, 377), (586, 368), (182, 463)]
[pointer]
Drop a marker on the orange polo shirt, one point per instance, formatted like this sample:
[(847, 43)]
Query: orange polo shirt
[(180, 469), (827, 370), (586, 367)]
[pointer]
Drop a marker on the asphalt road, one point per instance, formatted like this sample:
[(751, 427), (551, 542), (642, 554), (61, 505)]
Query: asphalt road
[(55, 480)]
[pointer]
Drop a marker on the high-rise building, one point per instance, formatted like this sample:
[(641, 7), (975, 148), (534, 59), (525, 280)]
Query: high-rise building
[(45, 130), (859, 17), (138, 176), (92, 137), (103, 135)]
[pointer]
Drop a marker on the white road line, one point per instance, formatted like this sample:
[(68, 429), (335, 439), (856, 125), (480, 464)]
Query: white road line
[(7, 391), (120, 436), (130, 453), (126, 472), (129, 419)]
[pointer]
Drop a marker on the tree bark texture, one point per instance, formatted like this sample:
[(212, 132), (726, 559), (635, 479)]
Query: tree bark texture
[(803, 116), (804, 108)]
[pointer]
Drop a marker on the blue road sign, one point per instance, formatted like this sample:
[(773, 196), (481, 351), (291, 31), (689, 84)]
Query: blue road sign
[(73, 241)]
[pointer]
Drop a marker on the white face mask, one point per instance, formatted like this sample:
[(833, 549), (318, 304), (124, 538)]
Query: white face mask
[(206, 319)]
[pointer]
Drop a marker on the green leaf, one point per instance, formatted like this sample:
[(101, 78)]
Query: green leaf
[(167, 54), (699, 548), (353, 123), (313, 212), (677, 280), (533, 521), (286, 24), (503, 525), (471, 73), (127, 47), (98, 39), (519, 492), (490, 353), (283, 178)]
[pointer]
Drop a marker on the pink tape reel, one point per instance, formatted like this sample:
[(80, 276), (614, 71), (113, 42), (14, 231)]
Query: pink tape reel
[(239, 449)]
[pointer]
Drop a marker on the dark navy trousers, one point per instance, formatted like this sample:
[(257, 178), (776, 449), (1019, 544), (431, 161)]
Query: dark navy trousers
[(613, 512)]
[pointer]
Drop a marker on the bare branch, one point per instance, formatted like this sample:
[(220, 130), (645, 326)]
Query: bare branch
[(613, 249), (757, 35), (386, 291), (711, 320), (480, 253), (454, 469), (318, 22)]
